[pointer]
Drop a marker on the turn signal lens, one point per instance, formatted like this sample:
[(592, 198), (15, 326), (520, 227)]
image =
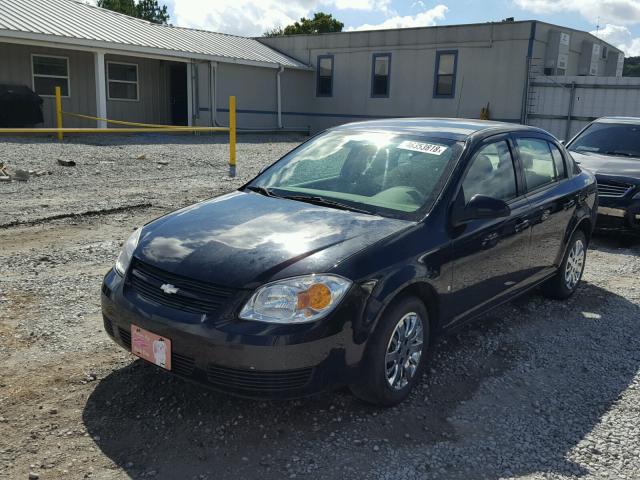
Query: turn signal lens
[(317, 297)]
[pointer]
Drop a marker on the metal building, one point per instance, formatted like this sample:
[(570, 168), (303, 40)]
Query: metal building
[(114, 66)]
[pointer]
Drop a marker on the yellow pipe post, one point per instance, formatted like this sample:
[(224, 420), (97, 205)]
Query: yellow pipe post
[(59, 112), (232, 136)]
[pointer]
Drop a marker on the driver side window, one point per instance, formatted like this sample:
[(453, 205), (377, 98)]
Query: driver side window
[(491, 173)]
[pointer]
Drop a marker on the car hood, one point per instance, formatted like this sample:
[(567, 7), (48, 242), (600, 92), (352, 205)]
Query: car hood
[(244, 239), (609, 165)]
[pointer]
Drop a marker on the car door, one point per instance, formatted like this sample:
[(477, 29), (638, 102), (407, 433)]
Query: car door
[(553, 200), (490, 256)]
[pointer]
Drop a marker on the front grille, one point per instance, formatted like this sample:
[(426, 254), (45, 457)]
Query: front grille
[(108, 325), (613, 190), (252, 380), (125, 336), (192, 296), (181, 364)]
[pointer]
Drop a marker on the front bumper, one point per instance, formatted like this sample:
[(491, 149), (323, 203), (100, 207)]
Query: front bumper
[(619, 215), (245, 358)]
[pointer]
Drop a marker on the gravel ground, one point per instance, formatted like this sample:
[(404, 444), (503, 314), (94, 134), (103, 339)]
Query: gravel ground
[(538, 389)]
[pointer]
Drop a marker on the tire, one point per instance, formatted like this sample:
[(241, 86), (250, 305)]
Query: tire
[(562, 285), (376, 370)]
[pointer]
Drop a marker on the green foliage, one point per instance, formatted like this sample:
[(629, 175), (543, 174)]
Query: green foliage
[(320, 23), (146, 9), (631, 67)]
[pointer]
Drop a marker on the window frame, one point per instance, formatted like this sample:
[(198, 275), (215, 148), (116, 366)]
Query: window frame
[(40, 75), (374, 57), (436, 75), (137, 82), (319, 59)]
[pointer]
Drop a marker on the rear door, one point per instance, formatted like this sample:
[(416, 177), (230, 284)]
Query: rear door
[(491, 256), (552, 198)]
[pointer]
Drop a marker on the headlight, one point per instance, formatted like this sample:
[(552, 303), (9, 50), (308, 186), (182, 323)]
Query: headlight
[(124, 259), (296, 300), (636, 196)]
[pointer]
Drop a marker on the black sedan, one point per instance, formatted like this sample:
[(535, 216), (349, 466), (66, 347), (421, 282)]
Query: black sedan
[(338, 264), (610, 148)]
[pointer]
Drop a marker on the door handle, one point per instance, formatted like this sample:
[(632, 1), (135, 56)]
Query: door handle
[(569, 204), (521, 226)]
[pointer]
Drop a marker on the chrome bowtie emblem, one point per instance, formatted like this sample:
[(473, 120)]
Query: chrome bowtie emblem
[(169, 289)]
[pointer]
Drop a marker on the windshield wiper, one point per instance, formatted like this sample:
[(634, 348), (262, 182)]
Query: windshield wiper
[(619, 153), (325, 202), (261, 190)]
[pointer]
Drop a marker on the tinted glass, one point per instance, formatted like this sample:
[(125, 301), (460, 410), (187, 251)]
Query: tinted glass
[(609, 139), (325, 76), (47, 85), (50, 66), (382, 173), (559, 162), (447, 64), (445, 85), (381, 76), (126, 73), (537, 161), (491, 173), (124, 91)]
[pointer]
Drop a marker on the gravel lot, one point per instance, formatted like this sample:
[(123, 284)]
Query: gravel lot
[(539, 389)]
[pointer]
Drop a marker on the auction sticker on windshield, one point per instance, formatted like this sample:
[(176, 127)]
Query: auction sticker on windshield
[(151, 347), (431, 148)]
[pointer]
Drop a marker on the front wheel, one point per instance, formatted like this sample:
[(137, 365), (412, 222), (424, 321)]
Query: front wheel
[(395, 356), (566, 281)]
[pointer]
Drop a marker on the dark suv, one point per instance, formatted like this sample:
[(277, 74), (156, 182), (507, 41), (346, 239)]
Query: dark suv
[(341, 261)]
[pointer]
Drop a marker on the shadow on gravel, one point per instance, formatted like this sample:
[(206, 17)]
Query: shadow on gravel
[(154, 425)]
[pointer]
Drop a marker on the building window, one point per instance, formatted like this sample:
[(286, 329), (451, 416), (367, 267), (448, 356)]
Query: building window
[(325, 76), (50, 72), (123, 81), (445, 74), (380, 74)]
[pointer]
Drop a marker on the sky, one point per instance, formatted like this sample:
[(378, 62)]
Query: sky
[(615, 21)]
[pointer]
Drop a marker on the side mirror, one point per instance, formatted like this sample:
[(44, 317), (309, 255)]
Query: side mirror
[(481, 206), (264, 167)]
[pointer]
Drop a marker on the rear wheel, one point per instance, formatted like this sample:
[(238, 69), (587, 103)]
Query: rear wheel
[(395, 357), (566, 281)]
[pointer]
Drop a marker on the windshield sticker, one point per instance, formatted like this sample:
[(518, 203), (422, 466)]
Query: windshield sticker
[(423, 147)]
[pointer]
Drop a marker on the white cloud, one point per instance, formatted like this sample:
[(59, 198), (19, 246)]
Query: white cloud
[(621, 37), (252, 18), (423, 19), (620, 12)]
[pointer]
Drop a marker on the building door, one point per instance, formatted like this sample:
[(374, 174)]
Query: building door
[(178, 94)]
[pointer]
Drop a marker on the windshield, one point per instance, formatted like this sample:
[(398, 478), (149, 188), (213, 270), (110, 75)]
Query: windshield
[(376, 172), (609, 139)]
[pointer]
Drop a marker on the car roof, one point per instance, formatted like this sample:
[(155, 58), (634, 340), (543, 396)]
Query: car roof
[(631, 120), (452, 128)]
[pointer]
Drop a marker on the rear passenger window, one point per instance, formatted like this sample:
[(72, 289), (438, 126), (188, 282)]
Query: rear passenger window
[(537, 161), (558, 161), (491, 173)]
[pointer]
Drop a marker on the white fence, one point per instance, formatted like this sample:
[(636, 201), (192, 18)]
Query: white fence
[(563, 105)]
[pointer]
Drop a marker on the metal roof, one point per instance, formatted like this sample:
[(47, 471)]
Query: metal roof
[(74, 23)]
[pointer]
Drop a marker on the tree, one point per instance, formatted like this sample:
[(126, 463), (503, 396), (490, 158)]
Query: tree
[(631, 67), (145, 9), (320, 23)]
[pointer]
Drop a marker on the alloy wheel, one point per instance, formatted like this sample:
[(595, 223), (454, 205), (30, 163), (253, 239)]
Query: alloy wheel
[(575, 262), (404, 351)]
